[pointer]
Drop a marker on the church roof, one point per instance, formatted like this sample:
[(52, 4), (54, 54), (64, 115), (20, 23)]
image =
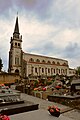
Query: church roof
[(37, 55)]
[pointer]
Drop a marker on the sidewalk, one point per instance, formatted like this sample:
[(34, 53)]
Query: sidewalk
[(43, 104), (40, 114)]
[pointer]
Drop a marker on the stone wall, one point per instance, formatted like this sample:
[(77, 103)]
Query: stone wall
[(71, 101), (8, 78)]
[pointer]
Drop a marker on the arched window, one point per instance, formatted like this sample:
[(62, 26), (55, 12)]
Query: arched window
[(42, 70), (18, 44), (36, 70), (31, 60), (48, 70), (64, 64), (16, 61), (54, 71), (43, 61), (58, 63), (16, 71), (37, 60), (49, 62), (15, 44), (53, 62)]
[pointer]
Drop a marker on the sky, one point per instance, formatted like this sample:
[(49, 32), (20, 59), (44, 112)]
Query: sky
[(48, 27)]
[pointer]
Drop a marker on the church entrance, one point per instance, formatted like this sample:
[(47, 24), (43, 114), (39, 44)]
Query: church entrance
[(17, 71)]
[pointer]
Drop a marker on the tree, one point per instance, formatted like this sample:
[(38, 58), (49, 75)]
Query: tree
[(1, 65), (78, 70)]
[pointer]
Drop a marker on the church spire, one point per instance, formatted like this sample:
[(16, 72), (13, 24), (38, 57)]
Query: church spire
[(16, 30)]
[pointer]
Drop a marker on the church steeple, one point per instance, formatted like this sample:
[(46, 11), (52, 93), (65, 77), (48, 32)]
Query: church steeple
[(15, 53), (16, 29)]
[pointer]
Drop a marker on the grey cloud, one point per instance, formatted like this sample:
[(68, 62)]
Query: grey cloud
[(38, 7), (72, 50), (66, 14), (5, 5), (26, 4), (45, 48)]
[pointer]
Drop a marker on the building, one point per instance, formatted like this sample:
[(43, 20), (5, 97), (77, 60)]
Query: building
[(27, 64), (72, 72)]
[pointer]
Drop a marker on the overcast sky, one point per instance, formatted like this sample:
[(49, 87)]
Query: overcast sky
[(48, 27)]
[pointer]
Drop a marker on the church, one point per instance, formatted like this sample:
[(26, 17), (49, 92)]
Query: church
[(26, 64)]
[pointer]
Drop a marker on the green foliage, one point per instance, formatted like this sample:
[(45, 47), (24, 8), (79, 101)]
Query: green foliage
[(53, 80), (1, 65), (49, 82), (36, 83)]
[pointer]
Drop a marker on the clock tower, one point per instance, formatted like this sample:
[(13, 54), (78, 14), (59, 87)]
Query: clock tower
[(15, 53)]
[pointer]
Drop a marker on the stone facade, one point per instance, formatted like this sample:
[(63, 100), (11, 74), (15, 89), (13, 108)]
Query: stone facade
[(38, 65)]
